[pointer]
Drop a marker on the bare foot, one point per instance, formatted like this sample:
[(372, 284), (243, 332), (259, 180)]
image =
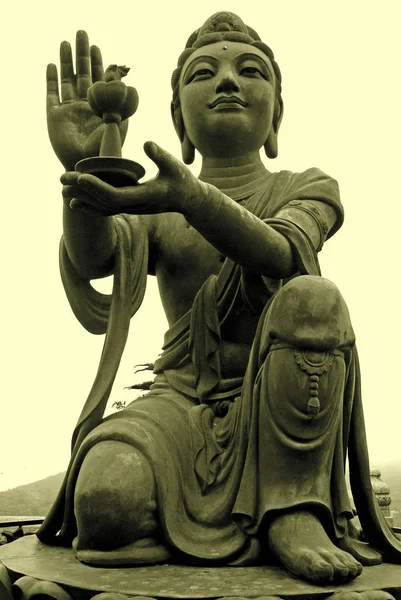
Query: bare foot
[(301, 544)]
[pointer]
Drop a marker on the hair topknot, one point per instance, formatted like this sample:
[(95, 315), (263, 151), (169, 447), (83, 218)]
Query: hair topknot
[(220, 26)]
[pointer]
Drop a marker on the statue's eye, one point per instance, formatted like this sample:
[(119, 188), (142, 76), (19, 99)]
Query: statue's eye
[(200, 74), (251, 71)]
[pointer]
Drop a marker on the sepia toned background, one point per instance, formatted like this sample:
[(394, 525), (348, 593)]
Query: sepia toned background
[(340, 66)]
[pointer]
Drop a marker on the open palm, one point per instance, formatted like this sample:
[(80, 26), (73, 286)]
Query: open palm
[(75, 131)]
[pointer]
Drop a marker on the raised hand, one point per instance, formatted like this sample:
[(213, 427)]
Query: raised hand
[(174, 189), (75, 131)]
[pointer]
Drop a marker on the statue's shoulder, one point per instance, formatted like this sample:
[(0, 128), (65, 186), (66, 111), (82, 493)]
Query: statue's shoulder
[(312, 184), (312, 177), (286, 188)]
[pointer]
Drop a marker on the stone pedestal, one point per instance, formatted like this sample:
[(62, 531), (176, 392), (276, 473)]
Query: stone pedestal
[(31, 570)]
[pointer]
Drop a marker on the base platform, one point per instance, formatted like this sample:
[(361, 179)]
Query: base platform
[(30, 570)]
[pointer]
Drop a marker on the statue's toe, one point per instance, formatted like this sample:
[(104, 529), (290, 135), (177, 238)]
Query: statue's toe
[(301, 544)]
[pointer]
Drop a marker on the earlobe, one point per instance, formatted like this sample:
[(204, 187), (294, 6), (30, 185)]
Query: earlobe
[(188, 150), (271, 146)]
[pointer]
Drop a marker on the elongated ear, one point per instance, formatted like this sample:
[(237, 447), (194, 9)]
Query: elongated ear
[(271, 144), (187, 147), (187, 150)]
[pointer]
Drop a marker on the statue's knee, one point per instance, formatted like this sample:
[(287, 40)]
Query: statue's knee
[(310, 312), (115, 498)]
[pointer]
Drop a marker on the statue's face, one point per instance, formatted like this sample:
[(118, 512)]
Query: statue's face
[(227, 93)]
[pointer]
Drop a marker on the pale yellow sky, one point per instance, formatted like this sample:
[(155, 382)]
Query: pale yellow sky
[(340, 66)]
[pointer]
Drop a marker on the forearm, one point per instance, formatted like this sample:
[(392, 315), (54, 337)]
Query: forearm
[(240, 235), (90, 242)]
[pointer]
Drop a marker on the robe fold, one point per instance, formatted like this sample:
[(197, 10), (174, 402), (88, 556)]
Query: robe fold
[(221, 477)]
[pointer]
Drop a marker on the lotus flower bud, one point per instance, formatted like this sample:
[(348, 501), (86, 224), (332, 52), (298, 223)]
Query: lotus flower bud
[(111, 99)]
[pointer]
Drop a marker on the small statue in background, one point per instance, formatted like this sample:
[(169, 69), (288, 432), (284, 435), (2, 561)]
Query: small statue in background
[(236, 456)]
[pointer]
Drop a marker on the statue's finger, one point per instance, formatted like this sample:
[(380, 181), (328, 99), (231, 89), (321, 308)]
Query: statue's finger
[(77, 204), (92, 201), (131, 199), (52, 95), (163, 159), (68, 91), (83, 64), (134, 199), (69, 191), (69, 177), (97, 64), (103, 192), (135, 195)]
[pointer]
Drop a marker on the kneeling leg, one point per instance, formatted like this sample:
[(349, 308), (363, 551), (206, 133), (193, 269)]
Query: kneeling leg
[(115, 507)]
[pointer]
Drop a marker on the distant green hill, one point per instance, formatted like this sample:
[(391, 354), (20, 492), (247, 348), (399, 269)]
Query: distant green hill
[(33, 499)]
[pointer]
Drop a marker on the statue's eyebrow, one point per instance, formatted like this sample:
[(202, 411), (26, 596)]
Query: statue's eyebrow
[(207, 57)]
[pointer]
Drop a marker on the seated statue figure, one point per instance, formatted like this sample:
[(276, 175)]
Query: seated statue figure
[(237, 454)]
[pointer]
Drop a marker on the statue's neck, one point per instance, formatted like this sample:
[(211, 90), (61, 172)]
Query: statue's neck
[(237, 177)]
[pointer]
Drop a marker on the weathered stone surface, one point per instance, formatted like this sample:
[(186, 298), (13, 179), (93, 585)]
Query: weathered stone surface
[(30, 558), (236, 455)]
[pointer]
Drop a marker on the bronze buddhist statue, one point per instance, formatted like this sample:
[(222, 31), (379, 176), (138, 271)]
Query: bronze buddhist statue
[(237, 454)]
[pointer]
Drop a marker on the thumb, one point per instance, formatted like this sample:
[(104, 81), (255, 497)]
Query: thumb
[(160, 157)]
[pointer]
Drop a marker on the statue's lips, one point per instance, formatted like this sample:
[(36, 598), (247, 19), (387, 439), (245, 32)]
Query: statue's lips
[(227, 100)]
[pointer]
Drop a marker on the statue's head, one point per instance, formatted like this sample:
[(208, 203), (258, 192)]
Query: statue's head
[(226, 81)]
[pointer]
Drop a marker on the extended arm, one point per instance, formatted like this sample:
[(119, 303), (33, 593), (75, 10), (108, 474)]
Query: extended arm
[(238, 234), (228, 226), (245, 238)]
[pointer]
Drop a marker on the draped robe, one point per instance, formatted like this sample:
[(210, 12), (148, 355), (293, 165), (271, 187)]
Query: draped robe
[(220, 477)]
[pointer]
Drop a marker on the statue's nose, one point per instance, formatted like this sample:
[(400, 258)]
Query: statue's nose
[(227, 82)]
